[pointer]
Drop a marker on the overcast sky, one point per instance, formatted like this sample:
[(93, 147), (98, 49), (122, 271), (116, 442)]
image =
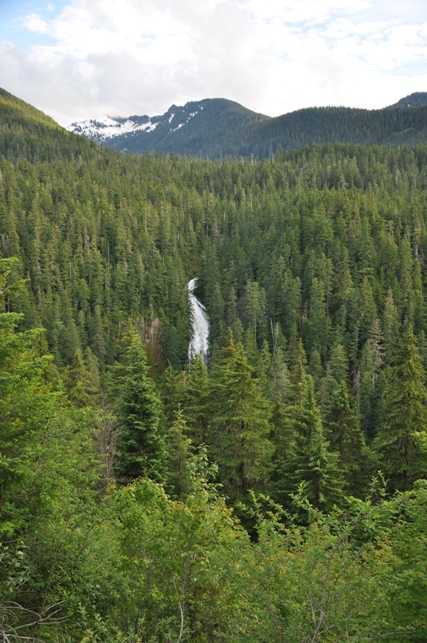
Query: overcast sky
[(79, 59)]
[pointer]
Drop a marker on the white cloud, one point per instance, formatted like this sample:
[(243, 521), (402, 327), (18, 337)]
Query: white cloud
[(35, 23), (140, 56)]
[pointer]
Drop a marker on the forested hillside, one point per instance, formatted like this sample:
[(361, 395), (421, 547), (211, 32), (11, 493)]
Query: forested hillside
[(417, 99), (275, 494), (218, 128)]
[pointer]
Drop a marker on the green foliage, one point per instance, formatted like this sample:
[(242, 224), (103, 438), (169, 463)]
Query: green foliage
[(196, 403), (178, 562), (239, 429), (26, 402), (405, 416), (77, 382), (313, 470), (346, 439), (179, 452), (140, 447), (319, 253), (224, 129)]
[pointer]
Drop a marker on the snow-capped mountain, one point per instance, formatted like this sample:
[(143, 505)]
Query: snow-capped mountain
[(105, 128), (101, 129), (194, 128), (218, 128)]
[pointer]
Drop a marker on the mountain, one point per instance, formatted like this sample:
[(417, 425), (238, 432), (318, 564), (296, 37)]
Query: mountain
[(217, 128), (198, 128), (20, 111), (417, 99), (25, 132)]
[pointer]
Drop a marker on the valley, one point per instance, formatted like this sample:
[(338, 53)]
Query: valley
[(267, 482)]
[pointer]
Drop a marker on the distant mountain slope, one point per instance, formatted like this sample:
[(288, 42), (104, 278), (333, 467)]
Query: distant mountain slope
[(338, 125), (199, 128), (216, 128), (417, 99), (16, 109), (25, 132)]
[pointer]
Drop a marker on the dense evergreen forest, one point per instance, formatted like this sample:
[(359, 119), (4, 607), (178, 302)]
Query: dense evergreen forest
[(276, 494)]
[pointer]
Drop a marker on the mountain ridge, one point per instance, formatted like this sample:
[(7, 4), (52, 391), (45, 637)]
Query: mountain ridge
[(416, 99), (202, 122), (218, 127)]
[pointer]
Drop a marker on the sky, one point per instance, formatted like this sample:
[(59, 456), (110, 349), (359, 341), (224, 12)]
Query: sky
[(78, 59)]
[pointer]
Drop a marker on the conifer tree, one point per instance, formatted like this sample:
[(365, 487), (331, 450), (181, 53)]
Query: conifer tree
[(26, 404), (366, 308), (140, 447), (280, 376), (251, 349), (264, 373), (336, 374), (173, 394), (92, 365), (179, 451), (240, 428), (255, 306), (346, 438), (390, 326), (315, 368), (77, 383), (196, 404), (283, 438), (405, 414), (318, 324), (376, 343), (312, 467), (298, 373)]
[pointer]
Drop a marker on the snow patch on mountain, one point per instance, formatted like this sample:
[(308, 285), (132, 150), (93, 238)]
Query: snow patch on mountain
[(105, 127)]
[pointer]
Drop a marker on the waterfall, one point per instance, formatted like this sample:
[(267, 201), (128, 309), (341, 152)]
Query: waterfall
[(199, 339)]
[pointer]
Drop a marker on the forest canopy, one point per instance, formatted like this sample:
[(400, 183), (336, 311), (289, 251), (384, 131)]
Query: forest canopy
[(276, 493)]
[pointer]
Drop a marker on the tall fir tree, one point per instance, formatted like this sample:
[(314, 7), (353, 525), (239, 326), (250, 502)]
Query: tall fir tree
[(405, 415), (240, 426), (346, 439), (313, 468), (178, 454), (78, 383), (196, 401), (140, 447), (390, 326), (298, 372)]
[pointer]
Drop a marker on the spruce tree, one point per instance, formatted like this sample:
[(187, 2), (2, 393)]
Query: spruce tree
[(240, 427), (196, 403), (140, 447), (78, 383), (313, 468), (346, 438), (283, 438), (390, 326), (405, 414), (178, 453), (173, 394), (298, 373)]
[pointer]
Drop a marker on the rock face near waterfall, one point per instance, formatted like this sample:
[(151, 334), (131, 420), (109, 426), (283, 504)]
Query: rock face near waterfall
[(199, 340)]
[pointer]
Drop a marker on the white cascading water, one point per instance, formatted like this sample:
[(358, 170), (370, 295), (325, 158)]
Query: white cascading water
[(199, 339)]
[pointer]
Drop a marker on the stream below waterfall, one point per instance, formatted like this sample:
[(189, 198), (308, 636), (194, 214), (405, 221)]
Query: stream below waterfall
[(199, 339)]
